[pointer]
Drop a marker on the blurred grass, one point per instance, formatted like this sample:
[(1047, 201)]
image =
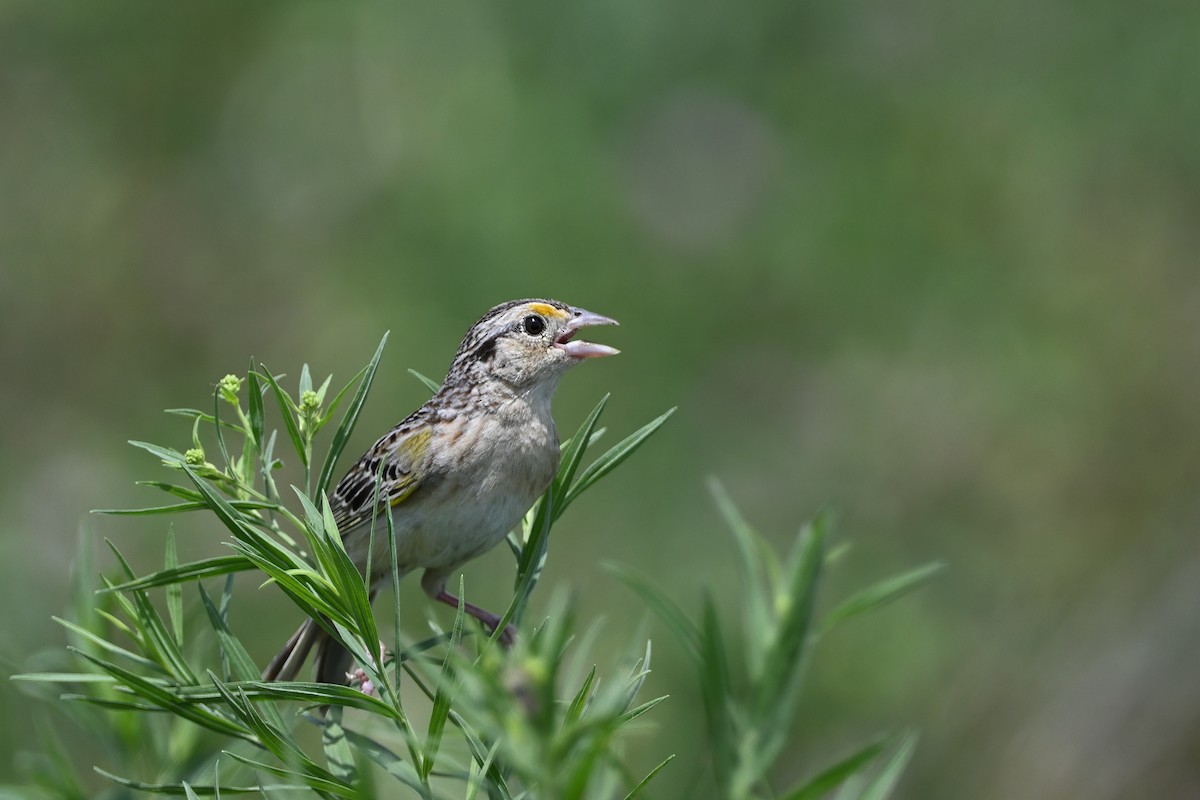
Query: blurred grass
[(929, 263)]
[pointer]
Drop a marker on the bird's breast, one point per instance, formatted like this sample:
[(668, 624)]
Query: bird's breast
[(495, 457), (490, 470)]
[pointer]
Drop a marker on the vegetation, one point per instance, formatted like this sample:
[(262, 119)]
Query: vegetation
[(172, 695)]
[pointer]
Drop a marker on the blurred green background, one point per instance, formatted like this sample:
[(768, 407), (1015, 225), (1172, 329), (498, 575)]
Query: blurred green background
[(931, 263)]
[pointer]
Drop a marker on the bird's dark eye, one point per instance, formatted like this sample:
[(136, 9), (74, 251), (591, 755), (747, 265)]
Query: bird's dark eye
[(533, 324)]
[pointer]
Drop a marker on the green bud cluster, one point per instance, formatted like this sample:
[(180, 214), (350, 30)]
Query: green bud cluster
[(229, 386)]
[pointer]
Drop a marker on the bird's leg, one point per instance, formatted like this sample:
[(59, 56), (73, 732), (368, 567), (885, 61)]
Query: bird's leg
[(434, 584)]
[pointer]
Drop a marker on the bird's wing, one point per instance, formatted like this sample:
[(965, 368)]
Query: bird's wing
[(391, 470)]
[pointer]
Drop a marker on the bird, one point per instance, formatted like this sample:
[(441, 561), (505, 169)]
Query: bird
[(461, 471)]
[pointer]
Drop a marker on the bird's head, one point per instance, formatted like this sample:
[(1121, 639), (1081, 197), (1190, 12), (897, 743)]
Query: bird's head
[(527, 343)]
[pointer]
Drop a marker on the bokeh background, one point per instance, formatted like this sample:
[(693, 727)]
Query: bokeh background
[(930, 263)]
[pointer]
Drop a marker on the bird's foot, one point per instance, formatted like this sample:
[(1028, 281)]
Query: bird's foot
[(508, 636), (359, 679)]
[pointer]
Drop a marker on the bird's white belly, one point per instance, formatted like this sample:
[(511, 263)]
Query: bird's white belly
[(483, 497), (460, 530)]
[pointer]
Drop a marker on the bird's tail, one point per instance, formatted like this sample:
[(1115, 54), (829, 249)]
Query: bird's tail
[(287, 662), (333, 660)]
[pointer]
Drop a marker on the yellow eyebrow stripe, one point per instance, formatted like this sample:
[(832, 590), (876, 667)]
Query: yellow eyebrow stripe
[(547, 310)]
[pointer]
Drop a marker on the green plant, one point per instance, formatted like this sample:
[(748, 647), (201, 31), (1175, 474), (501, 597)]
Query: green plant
[(751, 702), (174, 698)]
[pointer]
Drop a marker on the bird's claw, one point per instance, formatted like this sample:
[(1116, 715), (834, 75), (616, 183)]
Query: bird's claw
[(359, 679), (507, 637)]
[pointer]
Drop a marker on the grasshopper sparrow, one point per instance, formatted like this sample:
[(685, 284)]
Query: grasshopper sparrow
[(460, 471)]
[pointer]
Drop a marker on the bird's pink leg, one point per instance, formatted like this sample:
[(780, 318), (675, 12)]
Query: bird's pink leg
[(434, 585)]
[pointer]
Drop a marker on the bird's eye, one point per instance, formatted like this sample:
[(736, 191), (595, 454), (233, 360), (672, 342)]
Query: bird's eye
[(533, 324)]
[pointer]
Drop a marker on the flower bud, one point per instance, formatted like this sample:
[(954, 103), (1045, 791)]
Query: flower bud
[(309, 401), (229, 386)]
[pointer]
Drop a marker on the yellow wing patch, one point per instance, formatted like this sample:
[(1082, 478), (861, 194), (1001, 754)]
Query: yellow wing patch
[(411, 450), (414, 447), (548, 311), (405, 490)]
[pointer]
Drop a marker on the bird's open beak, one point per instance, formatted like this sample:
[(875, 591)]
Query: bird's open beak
[(580, 349)]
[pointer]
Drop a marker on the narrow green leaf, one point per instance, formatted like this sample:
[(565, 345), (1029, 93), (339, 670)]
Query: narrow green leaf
[(834, 776), (165, 453), (54, 772), (254, 400), (753, 552), (165, 699), (323, 388), (332, 408), (198, 505), (251, 450), (308, 594), (571, 456), (337, 749), (223, 614), (84, 580), (309, 693), (203, 416), (354, 587), (234, 654), (613, 457), (267, 465), (241, 665), (441, 700), (218, 430), (776, 690), (638, 710), (205, 791), (394, 565), (353, 623), (62, 677), (533, 552), (580, 702), (716, 688), (478, 772), (174, 591), (776, 694), (663, 606), (430, 383), (881, 593), (376, 497), (881, 787), (190, 794), (109, 703), (321, 784), (391, 763), (287, 410), (313, 519), (279, 741), (108, 646), (170, 488), (530, 562), (154, 631), (127, 608), (485, 758), (206, 568), (244, 531), (342, 436), (636, 791)]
